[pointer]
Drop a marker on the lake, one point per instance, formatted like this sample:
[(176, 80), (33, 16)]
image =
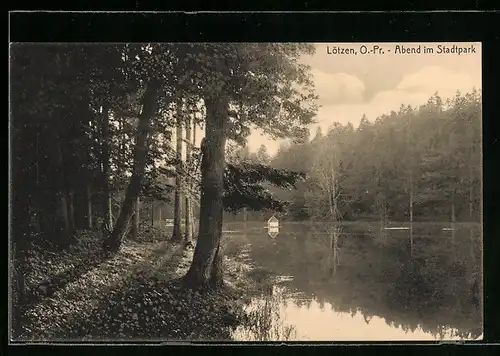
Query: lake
[(378, 284)]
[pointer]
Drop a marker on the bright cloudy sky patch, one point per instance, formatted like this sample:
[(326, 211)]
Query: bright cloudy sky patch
[(350, 86), (414, 89), (338, 87)]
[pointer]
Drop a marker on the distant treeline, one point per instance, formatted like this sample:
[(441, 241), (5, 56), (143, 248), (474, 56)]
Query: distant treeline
[(422, 164)]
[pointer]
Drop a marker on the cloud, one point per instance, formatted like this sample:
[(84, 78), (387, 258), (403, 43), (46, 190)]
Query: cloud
[(338, 87), (341, 96), (434, 78)]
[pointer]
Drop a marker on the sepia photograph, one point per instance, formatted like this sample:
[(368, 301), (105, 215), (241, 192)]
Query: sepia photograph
[(218, 192)]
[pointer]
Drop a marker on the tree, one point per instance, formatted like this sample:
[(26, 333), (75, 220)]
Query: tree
[(319, 134), (188, 236), (59, 128), (159, 92), (136, 218), (262, 155), (255, 79), (53, 146), (108, 209), (245, 186), (150, 61), (114, 240), (177, 233), (328, 180), (406, 165)]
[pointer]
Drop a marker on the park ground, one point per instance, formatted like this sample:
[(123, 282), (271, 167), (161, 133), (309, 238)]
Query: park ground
[(136, 294)]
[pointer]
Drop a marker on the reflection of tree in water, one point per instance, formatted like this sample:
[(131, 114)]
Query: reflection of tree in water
[(424, 286), (308, 303), (432, 290), (300, 255), (264, 320), (302, 302), (405, 327), (299, 302), (367, 318), (321, 304)]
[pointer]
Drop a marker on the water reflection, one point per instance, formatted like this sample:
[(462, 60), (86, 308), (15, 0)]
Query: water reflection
[(266, 319), (279, 316), (377, 291)]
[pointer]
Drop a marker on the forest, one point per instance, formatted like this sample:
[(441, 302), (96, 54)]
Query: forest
[(416, 164), (103, 148), (92, 141)]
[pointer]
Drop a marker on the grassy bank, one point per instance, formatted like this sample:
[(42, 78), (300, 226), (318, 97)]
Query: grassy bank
[(137, 294)]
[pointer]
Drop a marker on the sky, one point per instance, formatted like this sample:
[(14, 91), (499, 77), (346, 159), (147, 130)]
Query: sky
[(351, 85)]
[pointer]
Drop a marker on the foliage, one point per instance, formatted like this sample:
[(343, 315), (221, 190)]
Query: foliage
[(432, 152), (244, 186)]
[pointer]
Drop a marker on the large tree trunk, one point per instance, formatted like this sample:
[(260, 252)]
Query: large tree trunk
[(188, 235), (108, 212), (216, 275), (177, 233), (121, 228), (211, 205)]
